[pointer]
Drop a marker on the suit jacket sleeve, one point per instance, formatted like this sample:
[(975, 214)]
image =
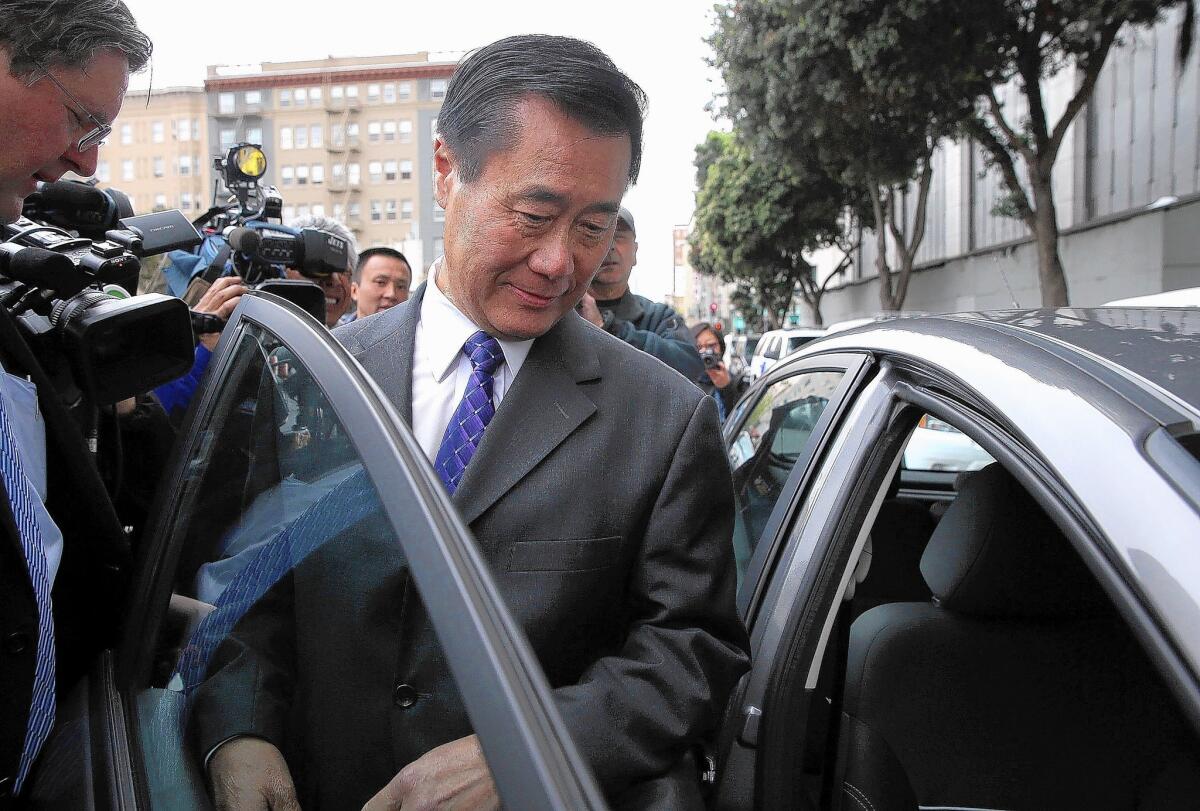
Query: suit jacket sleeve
[(634, 714), (670, 343)]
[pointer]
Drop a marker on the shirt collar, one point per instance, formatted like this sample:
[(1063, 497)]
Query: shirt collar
[(453, 328)]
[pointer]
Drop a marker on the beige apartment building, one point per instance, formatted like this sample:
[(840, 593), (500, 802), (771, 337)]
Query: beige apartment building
[(158, 151), (350, 138)]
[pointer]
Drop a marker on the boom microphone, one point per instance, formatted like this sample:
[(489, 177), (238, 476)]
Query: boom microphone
[(39, 267), (244, 240)]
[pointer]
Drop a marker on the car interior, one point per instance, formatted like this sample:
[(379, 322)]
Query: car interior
[(976, 663)]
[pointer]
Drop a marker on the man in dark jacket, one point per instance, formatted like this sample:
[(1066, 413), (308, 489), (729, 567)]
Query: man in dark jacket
[(651, 327)]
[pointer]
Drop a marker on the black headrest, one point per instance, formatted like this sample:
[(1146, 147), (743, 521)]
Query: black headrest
[(995, 553)]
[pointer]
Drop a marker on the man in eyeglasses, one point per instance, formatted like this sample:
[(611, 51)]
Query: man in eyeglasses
[(64, 68)]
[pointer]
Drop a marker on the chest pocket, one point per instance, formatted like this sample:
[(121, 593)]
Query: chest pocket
[(577, 555)]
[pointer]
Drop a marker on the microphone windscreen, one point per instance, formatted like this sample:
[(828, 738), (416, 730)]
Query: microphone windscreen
[(39, 267), (74, 195), (245, 240)]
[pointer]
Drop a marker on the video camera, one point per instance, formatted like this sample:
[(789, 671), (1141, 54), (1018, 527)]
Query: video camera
[(71, 293), (244, 235)]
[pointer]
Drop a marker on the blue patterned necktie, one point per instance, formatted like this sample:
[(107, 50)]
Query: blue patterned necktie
[(41, 711), (474, 411)]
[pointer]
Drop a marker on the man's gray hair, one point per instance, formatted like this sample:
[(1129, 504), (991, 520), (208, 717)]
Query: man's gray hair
[(331, 226), (68, 33)]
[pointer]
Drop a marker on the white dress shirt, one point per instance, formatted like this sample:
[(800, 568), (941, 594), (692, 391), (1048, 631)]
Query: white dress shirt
[(441, 370)]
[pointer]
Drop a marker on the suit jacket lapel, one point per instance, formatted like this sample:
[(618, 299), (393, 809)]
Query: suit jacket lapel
[(390, 360), (544, 406)]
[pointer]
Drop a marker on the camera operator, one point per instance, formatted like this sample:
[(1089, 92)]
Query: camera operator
[(725, 387), (335, 285), (64, 69)]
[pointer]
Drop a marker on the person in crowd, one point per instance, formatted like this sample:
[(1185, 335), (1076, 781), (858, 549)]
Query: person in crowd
[(382, 279), (336, 285), (538, 139), (64, 69), (653, 328), (717, 380)]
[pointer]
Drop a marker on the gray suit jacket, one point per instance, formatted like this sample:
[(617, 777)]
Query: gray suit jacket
[(606, 515)]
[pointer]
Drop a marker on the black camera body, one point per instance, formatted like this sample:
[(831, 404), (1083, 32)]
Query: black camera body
[(710, 359)]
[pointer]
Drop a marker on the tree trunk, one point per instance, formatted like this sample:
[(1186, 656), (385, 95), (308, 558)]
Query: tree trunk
[(881, 246), (1051, 278), (814, 310)]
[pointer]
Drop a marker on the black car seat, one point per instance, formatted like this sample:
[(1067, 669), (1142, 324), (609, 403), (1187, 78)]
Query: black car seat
[(1015, 687), (898, 538)]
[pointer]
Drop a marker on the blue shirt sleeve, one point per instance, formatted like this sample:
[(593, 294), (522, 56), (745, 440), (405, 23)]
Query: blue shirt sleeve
[(177, 395)]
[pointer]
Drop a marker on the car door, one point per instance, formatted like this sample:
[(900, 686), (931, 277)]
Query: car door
[(295, 486)]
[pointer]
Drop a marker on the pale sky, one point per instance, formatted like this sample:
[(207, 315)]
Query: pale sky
[(659, 43)]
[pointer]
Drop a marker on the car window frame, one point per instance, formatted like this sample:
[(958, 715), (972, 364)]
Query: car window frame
[(855, 368), (528, 747)]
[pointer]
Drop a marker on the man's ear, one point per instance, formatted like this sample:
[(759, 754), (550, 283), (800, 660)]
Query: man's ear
[(634, 262), (445, 172)]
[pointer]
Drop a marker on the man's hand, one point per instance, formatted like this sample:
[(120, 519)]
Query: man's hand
[(250, 774), (589, 310), (719, 376), (452, 776), (221, 299)]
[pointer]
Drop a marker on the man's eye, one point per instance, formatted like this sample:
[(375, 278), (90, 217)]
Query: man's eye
[(533, 219)]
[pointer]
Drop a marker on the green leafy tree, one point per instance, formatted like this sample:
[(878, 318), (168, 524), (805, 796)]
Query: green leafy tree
[(797, 89), (754, 221)]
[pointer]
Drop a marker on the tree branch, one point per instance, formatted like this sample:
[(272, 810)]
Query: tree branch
[(982, 133), (1095, 63), (1014, 141)]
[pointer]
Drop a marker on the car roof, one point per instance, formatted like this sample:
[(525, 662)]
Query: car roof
[(796, 332), (1156, 350)]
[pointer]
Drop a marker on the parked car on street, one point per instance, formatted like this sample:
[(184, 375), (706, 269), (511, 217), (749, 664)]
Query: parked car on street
[(779, 343), (1006, 618)]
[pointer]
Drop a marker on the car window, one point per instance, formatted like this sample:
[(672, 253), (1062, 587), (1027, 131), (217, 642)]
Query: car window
[(797, 341), (290, 597), (772, 348), (936, 445), (767, 446)]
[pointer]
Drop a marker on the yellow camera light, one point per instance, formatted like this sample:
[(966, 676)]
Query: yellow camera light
[(250, 161)]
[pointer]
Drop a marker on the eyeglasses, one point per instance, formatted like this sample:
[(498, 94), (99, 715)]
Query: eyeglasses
[(99, 131)]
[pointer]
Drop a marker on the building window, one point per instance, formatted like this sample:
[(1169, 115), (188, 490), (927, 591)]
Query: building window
[(352, 91), (289, 213), (301, 175), (157, 132), (127, 170), (355, 210), (389, 93), (406, 209), (375, 171), (253, 97), (318, 210), (225, 103), (185, 201), (285, 137), (159, 167), (336, 92), (389, 130), (303, 211), (339, 212), (439, 213), (287, 175), (337, 135), (389, 171), (338, 171), (102, 171), (183, 129), (314, 95), (390, 209), (195, 129), (185, 165), (372, 94), (376, 211), (318, 173), (160, 202), (437, 88), (439, 246), (406, 131), (254, 135), (126, 134), (227, 138), (352, 134), (373, 130), (300, 135), (316, 136), (405, 91), (354, 174), (285, 98), (406, 170), (300, 97)]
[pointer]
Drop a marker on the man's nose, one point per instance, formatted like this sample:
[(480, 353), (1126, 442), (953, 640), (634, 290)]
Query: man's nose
[(553, 258), (82, 163)]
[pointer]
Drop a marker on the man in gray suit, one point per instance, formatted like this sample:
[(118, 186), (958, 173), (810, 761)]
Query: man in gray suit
[(595, 503)]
